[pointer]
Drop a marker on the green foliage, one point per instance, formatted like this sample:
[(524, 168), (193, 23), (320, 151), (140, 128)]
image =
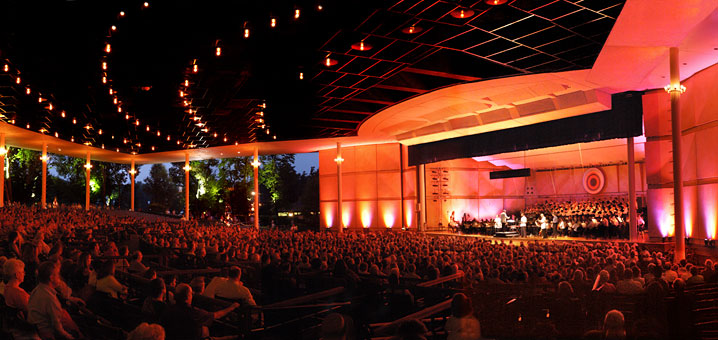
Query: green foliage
[(25, 169), (160, 188)]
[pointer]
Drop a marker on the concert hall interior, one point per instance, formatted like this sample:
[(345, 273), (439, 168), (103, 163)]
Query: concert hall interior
[(487, 169)]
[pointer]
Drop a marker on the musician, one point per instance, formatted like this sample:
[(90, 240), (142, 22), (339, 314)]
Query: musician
[(504, 217), (497, 223), (522, 225), (542, 222)]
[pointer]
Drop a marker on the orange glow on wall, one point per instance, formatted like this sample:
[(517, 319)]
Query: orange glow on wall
[(329, 219), (365, 218), (389, 220), (346, 218)]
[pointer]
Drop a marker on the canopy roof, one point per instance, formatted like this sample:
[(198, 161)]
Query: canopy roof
[(496, 63)]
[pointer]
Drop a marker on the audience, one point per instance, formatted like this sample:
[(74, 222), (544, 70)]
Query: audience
[(462, 325)]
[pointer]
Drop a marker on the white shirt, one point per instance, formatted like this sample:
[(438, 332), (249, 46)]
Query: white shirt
[(523, 222)]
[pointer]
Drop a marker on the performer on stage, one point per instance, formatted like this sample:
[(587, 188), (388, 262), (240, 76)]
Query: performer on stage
[(522, 225), (503, 217), (497, 223), (543, 224)]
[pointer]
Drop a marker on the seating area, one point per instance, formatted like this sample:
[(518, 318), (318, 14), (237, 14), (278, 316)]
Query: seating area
[(378, 284)]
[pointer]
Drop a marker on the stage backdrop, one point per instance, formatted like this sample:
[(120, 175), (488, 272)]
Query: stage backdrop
[(699, 119)]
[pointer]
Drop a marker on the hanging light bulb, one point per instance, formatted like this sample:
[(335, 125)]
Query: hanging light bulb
[(153, 148), (215, 135), (122, 13), (301, 75), (146, 4), (246, 33), (119, 109), (27, 126), (186, 82), (39, 99), (296, 13), (113, 28), (111, 91), (72, 139), (218, 51), (158, 133), (273, 22), (137, 122), (62, 114), (17, 80), (127, 116), (99, 132), (181, 94), (49, 106), (104, 65), (148, 128), (108, 48), (6, 68), (168, 138), (114, 100), (74, 120), (104, 79), (27, 90), (225, 138), (194, 68)]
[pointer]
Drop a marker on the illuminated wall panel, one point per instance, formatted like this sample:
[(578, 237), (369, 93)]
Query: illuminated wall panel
[(388, 185), (386, 157), (660, 212), (365, 158), (463, 182), (707, 161), (367, 188), (389, 215), (367, 214), (515, 186), (489, 208), (490, 187), (708, 210), (328, 214), (328, 188)]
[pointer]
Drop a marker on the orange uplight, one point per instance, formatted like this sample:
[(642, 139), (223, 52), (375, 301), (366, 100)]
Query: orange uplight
[(328, 218), (365, 218), (389, 219), (346, 219)]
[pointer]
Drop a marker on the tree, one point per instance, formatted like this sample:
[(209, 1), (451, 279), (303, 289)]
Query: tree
[(25, 169), (160, 189)]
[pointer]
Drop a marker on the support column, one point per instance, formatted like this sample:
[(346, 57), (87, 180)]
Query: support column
[(88, 167), (3, 152), (632, 216), (421, 197), (186, 187), (340, 211), (675, 90), (255, 165), (132, 185), (43, 158)]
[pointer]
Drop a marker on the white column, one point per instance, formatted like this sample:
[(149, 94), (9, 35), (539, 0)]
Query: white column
[(255, 165), (43, 195), (339, 160), (186, 186), (132, 185), (88, 166), (421, 197), (632, 216), (3, 151)]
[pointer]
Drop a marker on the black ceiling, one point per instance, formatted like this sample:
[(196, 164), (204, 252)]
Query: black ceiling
[(57, 49)]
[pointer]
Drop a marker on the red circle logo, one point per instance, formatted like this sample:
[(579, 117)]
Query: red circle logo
[(593, 181)]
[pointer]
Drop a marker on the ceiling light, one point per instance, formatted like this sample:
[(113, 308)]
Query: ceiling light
[(462, 13), (88, 126), (495, 2), (194, 68), (49, 106), (273, 22), (218, 51), (127, 116), (361, 46), (56, 135), (27, 90), (108, 48), (158, 133), (62, 114), (168, 138), (296, 13), (104, 80), (329, 62), (146, 4), (27, 126), (119, 109), (137, 122), (225, 139), (148, 128), (6, 68), (301, 75), (246, 33), (413, 29), (99, 131), (114, 28), (320, 7), (39, 99), (181, 93), (17, 80), (114, 100), (153, 148), (186, 82), (104, 65), (74, 120), (72, 139), (122, 13)]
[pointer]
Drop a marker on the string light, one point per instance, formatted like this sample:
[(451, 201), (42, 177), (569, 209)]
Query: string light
[(113, 28), (296, 13), (17, 80), (273, 22), (62, 114), (246, 33), (108, 48), (122, 13), (6, 68), (218, 51)]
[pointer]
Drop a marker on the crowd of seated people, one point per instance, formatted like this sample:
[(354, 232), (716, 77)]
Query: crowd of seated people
[(58, 260)]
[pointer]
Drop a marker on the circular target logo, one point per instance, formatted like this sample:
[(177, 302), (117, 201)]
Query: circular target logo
[(593, 181)]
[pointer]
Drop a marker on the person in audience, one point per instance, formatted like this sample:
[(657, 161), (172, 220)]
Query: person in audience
[(211, 289), (15, 296), (136, 266), (234, 289), (695, 278), (147, 331), (602, 283), (197, 285), (463, 324), (154, 305), (627, 285), (411, 329), (107, 283), (184, 322), (45, 310), (614, 325), (336, 326)]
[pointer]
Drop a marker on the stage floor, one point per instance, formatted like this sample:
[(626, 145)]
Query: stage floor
[(550, 239)]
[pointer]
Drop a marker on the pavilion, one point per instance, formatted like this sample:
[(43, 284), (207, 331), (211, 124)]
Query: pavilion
[(423, 154)]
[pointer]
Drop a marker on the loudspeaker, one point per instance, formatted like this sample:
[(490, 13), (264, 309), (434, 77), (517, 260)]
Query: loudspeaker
[(510, 173)]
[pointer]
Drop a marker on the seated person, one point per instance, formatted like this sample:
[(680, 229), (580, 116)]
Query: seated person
[(154, 304), (234, 289), (136, 266), (184, 322), (15, 296), (107, 283), (45, 310)]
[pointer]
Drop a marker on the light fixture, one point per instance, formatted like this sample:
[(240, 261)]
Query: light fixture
[(27, 126), (114, 100), (99, 132), (194, 68), (181, 94), (74, 120), (339, 159), (495, 2), (320, 7), (108, 48), (6, 68), (127, 116), (146, 4), (273, 22), (301, 75), (62, 114), (119, 109), (186, 167), (329, 62), (148, 128), (168, 137), (137, 122), (361, 46), (111, 91), (153, 148), (104, 65), (43, 158), (3, 151), (462, 13), (17, 80), (225, 139), (274, 137), (122, 13), (27, 90), (215, 135), (246, 33), (218, 51), (413, 29), (57, 135), (104, 79), (186, 82), (114, 28), (670, 88), (72, 139), (88, 127), (39, 99), (158, 133), (255, 163), (88, 165), (296, 13)]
